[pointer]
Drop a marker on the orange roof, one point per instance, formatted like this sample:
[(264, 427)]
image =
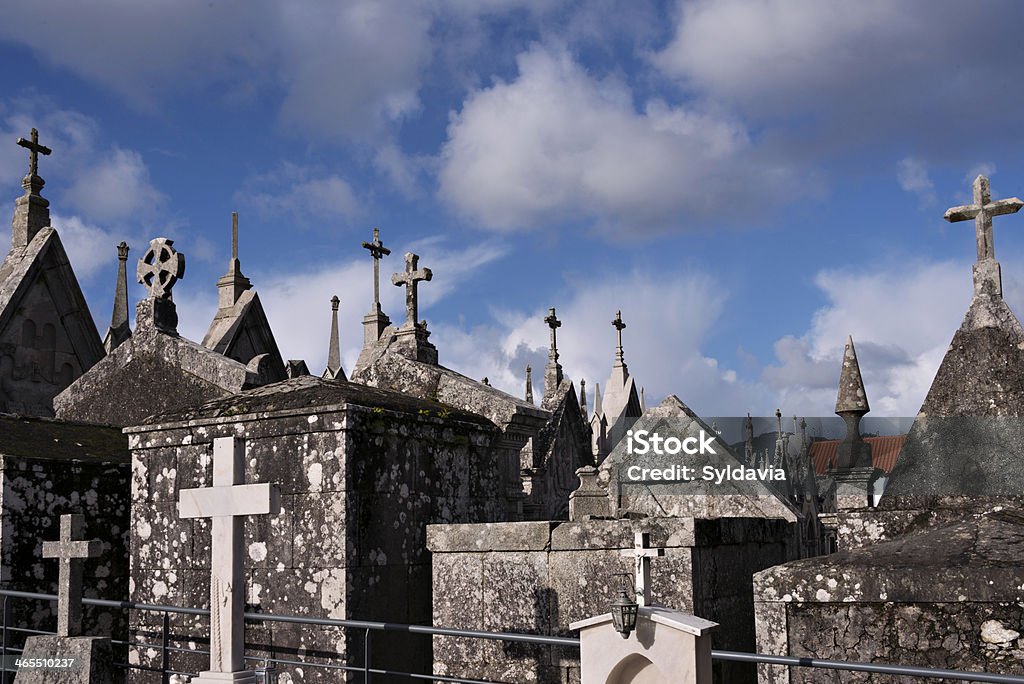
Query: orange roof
[(884, 451)]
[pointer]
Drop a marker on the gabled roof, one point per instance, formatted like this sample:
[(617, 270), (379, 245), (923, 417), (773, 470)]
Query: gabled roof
[(45, 263), (243, 332)]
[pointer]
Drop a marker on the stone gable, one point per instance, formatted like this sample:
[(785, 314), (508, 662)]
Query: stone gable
[(47, 336)]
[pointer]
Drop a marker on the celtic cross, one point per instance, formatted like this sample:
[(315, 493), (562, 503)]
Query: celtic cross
[(160, 268)]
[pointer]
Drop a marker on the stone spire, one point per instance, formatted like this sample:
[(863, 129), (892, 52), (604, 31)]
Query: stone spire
[(529, 384), (334, 369), (553, 371), (119, 330), (597, 398), (31, 210), (987, 275), (851, 405), (583, 397), (159, 269), (748, 440), (643, 401), (376, 321), (232, 284)]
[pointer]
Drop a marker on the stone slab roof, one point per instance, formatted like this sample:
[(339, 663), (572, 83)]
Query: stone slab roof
[(975, 558), (45, 438), (394, 371), (312, 394)]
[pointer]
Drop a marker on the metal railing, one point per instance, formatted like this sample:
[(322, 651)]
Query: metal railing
[(368, 627)]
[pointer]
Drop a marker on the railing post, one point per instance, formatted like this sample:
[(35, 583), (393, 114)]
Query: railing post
[(3, 642), (165, 655), (366, 657)]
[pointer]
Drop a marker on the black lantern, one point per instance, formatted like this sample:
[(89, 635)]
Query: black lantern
[(624, 611)]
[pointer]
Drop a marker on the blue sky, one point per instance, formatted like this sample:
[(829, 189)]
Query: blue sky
[(749, 182)]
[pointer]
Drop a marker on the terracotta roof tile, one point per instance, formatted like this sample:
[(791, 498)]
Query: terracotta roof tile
[(884, 451)]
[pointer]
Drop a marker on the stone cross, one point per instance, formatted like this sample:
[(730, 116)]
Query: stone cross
[(226, 502), (554, 324), (160, 267), (377, 251), (34, 150), (70, 551), (642, 555), (619, 325), (409, 279), (982, 212)]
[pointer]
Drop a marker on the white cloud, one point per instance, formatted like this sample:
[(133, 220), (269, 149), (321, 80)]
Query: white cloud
[(901, 321), (90, 248), (912, 175), (101, 183), (301, 193), (115, 188), (298, 303), (849, 72), (558, 143), (339, 68), (668, 322)]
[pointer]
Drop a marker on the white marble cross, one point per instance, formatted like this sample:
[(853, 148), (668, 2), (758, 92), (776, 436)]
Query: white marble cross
[(642, 555), (982, 212), (70, 551), (226, 502)]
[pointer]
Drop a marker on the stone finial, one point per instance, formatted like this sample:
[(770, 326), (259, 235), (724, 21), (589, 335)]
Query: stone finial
[(232, 284), (583, 398), (852, 396), (70, 550), (529, 384), (119, 330), (643, 401), (486, 381), (597, 398), (987, 276), (31, 210), (410, 278), (334, 369), (851, 405)]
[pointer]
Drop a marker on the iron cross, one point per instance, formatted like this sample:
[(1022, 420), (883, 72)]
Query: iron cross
[(982, 212), (70, 551), (377, 251), (410, 278), (34, 150), (642, 554)]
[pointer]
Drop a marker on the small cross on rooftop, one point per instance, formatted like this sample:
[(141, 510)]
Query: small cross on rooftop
[(34, 150)]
